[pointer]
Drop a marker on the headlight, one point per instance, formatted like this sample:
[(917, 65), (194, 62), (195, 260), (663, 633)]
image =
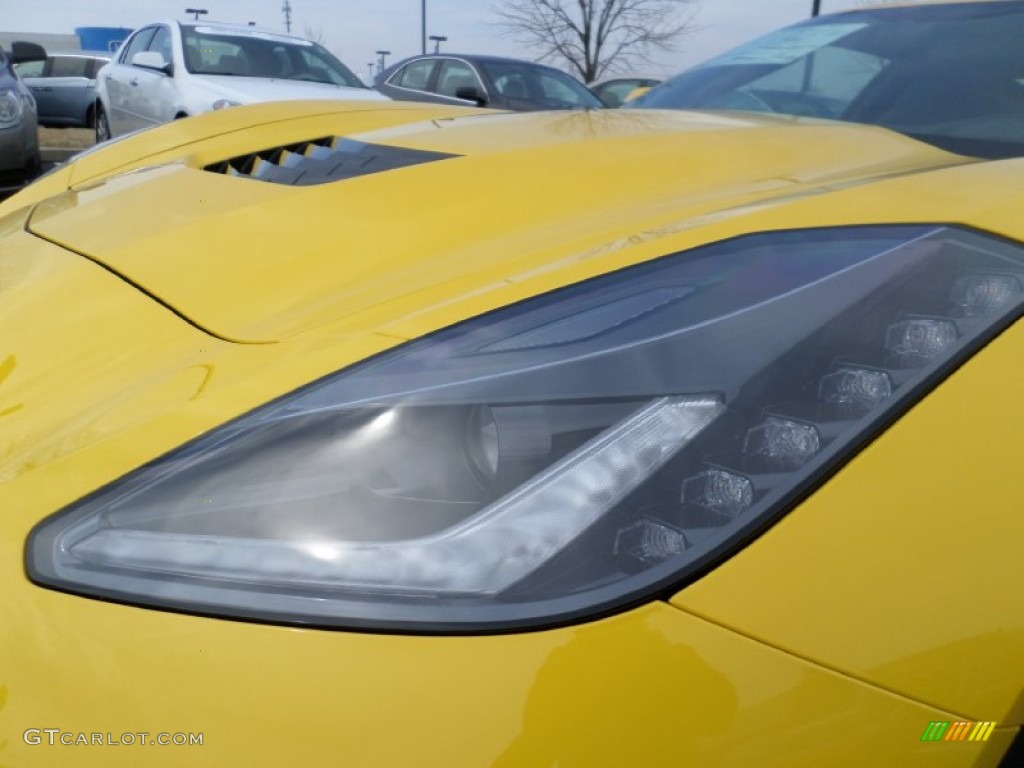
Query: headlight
[(11, 107), (560, 458)]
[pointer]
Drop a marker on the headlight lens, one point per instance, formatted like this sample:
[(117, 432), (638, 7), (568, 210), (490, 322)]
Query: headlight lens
[(560, 458), (11, 107)]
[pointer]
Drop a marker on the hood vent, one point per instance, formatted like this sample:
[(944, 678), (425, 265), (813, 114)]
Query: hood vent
[(320, 161)]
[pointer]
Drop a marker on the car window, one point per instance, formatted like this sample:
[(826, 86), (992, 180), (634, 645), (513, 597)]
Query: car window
[(136, 44), (614, 93), (512, 86), (833, 72), (206, 56), (415, 75), (454, 74), (161, 43), (96, 65), (819, 85), (219, 51), (69, 66), (319, 69), (554, 89), (30, 68), (951, 75), (539, 85)]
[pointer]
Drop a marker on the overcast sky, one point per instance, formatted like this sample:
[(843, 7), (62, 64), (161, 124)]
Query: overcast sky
[(354, 29)]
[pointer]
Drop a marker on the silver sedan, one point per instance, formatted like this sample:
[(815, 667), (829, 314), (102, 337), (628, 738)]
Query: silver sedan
[(64, 86)]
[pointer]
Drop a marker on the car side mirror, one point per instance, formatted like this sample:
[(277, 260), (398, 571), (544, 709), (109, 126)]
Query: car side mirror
[(22, 52), (471, 93), (151, 60)]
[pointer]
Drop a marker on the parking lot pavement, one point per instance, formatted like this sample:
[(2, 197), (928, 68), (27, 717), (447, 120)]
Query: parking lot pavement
[(59, 144), (54, 157)]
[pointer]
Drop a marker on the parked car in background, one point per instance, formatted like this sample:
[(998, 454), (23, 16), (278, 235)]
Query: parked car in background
[(614, 92), (64, 87), (484, 81), (172, 69), (19, 145), (949, 74)]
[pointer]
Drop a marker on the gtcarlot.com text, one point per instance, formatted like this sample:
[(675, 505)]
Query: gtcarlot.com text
[(55, 737)]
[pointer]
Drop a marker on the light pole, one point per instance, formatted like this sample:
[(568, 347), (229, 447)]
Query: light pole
[(816, 8), (438, 39), (286, 9), (381, 62), (197, 11), (423, 26)]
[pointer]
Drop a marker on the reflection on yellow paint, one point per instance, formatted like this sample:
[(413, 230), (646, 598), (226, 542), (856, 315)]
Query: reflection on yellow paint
[(6, 367), (613, 694)]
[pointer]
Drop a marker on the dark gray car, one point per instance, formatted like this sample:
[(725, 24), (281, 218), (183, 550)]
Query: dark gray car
[(484, 81), (64, 87), (19, 144)]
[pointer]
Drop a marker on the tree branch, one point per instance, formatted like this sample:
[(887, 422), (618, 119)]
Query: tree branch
[(593, 37)]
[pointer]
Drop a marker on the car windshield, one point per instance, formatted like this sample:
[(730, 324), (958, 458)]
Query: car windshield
[(529, 83), (244, 53), (950, 75)]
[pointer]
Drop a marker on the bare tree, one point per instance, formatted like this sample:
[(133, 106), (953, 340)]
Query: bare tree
[(314, 32), (595, 37)]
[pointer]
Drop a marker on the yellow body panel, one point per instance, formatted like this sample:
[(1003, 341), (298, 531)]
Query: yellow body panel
[(895, 571), (654, 687), (273, 122), (520, 196), (871, 610)]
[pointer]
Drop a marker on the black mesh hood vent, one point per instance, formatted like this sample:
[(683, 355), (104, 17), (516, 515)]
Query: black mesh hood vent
[(319, 161)]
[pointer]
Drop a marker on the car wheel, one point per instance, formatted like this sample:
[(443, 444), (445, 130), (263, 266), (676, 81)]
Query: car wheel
[(102, 126)]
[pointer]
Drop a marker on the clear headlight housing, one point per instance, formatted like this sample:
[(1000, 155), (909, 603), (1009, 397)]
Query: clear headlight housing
[(561, 458), (11, 107)]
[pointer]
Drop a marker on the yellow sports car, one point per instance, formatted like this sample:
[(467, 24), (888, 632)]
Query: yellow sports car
[(411, 435)]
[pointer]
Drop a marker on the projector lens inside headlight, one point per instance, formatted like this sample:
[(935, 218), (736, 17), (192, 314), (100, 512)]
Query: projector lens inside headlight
[(560, 458)]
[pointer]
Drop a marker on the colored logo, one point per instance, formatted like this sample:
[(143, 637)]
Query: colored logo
[(960, 730)]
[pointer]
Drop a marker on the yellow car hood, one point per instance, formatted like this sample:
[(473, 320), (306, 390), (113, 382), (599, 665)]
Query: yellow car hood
[(249, 260)]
